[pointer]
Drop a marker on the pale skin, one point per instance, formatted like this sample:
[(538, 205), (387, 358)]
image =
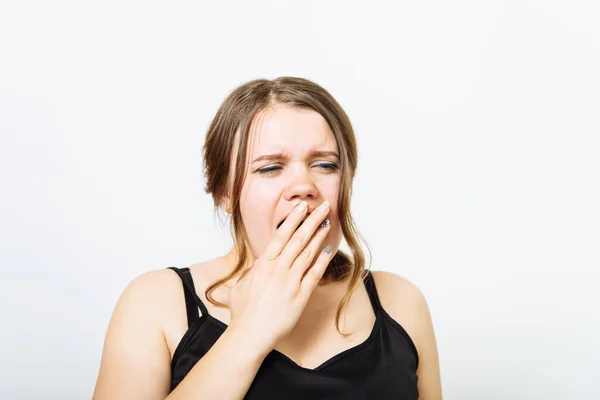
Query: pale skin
[(149, 318)]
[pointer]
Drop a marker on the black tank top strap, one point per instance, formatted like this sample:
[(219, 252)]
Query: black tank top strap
[(192, 301), (372, 291)]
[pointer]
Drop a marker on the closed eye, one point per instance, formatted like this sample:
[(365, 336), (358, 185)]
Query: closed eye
[(272, 168)]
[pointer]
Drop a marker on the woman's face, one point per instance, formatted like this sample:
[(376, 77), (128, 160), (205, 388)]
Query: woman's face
[(292, 172)]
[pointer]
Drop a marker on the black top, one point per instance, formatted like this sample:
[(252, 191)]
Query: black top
[(382, 367)]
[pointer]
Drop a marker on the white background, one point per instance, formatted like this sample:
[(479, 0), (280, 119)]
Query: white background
[(478, 130)]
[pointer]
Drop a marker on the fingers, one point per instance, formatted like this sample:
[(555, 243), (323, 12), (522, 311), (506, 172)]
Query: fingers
[(285, 231), (302, 236), (315, 273), (306, 257)]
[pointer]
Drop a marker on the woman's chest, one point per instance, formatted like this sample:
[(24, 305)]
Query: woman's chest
[(315, 338), (310, 345)]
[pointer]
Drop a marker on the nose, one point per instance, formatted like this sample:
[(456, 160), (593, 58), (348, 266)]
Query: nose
[(300, 185)]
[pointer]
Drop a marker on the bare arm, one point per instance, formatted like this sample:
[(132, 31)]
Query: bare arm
[(136, 362), (430, 386), (135, 359), (407, 305)]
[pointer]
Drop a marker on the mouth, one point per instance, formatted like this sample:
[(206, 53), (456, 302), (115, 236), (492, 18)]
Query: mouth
[(283, 220)]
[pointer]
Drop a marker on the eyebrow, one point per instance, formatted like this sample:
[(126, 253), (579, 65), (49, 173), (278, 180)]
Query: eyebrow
[(280, 156)]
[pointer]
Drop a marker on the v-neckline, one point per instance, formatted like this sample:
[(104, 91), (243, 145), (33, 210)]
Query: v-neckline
[(327, 362), (335, 357)]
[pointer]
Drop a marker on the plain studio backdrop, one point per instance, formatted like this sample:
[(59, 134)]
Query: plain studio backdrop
[(479, 159)]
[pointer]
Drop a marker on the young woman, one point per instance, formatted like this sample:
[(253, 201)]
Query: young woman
[(285, 314)]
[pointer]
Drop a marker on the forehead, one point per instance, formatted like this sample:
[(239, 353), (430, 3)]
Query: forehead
[(289, 130)]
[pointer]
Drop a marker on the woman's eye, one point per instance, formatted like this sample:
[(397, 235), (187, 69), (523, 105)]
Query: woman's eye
[(268, 170), (328, 166)]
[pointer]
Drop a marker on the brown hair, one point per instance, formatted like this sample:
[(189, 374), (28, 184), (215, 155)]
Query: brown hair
[(236, 114)]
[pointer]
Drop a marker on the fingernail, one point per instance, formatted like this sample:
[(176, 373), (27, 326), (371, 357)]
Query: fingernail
[(327, 249), (301, 207)]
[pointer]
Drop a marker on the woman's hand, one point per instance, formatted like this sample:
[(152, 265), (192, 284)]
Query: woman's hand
[(269, 297)]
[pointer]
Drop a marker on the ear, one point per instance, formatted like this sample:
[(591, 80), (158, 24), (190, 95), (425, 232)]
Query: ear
[(226, 204)]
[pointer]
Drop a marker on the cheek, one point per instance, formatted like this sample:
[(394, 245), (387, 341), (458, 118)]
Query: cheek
[(257, 207)]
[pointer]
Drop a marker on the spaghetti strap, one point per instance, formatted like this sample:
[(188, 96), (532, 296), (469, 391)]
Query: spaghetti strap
[(372, 291), (192, 301), (383, 366)]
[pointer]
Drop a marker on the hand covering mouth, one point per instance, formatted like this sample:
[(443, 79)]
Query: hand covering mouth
[(283, 220)]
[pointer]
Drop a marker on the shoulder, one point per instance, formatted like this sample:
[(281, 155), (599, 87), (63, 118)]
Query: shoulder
[(405, 303), (151, 288), (401, 295), (151, 301), (135, 358), (155, 301)]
